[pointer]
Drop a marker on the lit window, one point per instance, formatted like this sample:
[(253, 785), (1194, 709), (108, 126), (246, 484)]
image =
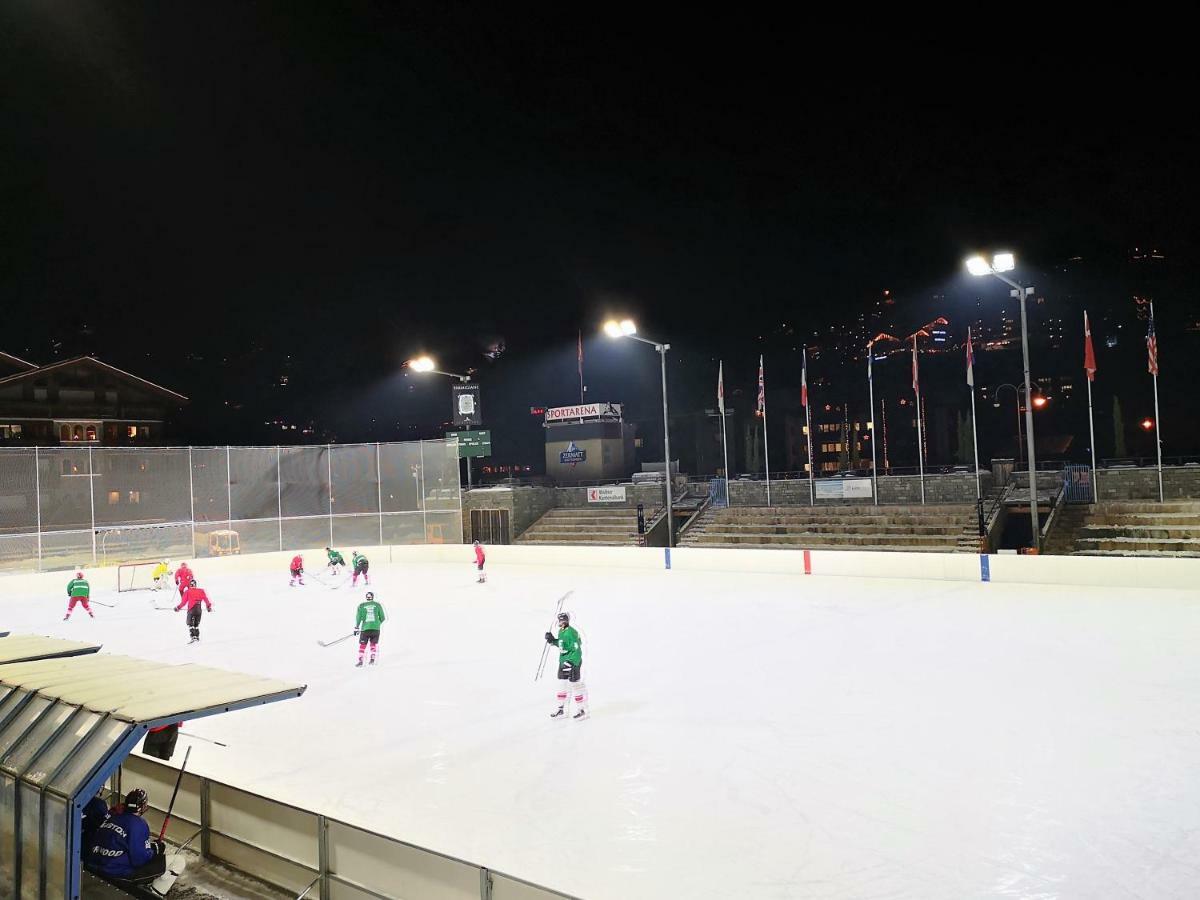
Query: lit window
[(91, 432), (114, 497), (77, 434), (130, 431), (135, 496)]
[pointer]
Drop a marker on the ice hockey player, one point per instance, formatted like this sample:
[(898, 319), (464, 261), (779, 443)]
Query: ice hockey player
[(192, 598), (297, 570), (335, 560), (367, 622), (570, 668), (122, 848), (160, 574), (480, 559), (92, 818), (78, 590), (183, 578), (360, 564)]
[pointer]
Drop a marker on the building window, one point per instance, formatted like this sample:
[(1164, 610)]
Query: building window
[(143, 431), (91, 432), (64, 432), (130, 431), (135, 496), (10, 431), (77, 433), (114, 497)]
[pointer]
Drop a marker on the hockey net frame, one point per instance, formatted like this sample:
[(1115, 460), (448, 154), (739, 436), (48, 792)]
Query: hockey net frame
[(124, 585)]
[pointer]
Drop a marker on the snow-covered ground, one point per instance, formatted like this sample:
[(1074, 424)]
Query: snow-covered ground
[(754, 736)]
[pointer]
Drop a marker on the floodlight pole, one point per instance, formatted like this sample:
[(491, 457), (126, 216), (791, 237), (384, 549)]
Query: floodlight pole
[(1021, 292), (662, 352)]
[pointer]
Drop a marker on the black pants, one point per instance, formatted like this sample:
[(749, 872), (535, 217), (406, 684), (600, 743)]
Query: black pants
[(193, 621), (141, 875), (161, 744)]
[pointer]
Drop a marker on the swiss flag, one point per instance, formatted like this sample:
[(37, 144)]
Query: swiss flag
[(1089, 353)]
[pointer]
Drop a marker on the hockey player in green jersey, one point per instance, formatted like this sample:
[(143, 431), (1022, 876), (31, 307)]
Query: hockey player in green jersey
[(570, 668), (367, 622), (359, 564), (78, 590), (335, 560)]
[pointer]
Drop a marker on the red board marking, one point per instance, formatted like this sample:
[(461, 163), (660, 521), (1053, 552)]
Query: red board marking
[(807, 563)]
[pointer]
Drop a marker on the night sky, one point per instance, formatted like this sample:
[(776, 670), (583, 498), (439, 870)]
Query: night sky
[(197, 191)]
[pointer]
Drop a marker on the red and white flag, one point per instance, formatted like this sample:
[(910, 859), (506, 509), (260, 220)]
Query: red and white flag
[(762, 389), (970, 361), (916, 379), (1152, 346), (1089, 353), (804, 378), (721, 387), (581, 356)]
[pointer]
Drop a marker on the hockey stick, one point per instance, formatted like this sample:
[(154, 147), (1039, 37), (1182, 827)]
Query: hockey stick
[(98, 603), (545, 646), (174, 794), (338, 641), (197, 737)]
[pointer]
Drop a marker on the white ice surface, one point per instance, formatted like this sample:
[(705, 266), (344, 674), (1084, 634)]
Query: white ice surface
[(760, 737)]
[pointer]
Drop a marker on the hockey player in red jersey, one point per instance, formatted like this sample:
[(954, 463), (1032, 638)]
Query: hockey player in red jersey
[(192, 598), (183, 578), (480, 559), (297, 569)]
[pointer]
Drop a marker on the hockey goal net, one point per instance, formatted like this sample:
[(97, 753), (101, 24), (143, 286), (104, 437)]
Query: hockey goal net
[(139, 576)]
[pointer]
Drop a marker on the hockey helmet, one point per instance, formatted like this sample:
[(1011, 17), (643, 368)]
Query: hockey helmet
[(192, 583), (137, 800), (370, 595), (79, 574), (564, 619)]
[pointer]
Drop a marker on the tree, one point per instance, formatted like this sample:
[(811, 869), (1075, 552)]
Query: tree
[(1118, 428), (855, 450)]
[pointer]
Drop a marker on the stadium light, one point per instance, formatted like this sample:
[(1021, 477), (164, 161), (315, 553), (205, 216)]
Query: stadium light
[(422, 364), (977, 265), (627, 328), (1003, 262), (1147, 424)]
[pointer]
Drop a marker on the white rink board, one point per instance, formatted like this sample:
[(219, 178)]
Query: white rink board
[(755, 732)]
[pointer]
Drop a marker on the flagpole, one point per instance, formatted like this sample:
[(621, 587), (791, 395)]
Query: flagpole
[(920, 438), (762, 386), (1091, 424), (724, 439), (1158, 441), (808, 427), (581, 400), (871, 422)]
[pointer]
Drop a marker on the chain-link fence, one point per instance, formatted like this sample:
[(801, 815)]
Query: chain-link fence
[(69, 506)]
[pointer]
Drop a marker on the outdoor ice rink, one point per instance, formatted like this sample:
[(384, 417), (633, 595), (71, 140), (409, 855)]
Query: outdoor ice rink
[(757, 736)]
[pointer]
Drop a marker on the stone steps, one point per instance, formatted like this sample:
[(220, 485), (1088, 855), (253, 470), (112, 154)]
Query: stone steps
[(1139, 545), (892, 548), (1144, 532), (866, 521), (821, 540)]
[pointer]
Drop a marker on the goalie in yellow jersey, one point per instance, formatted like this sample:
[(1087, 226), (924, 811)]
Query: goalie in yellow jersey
[(162, 575)]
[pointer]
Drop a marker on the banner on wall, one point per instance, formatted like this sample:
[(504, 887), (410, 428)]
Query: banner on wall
[(606, 494), (839, 489)]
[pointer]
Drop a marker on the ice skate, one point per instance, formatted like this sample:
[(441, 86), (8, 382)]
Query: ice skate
[(372, 662), (559, 713), (67, 616), (358, 665), (582, 714)]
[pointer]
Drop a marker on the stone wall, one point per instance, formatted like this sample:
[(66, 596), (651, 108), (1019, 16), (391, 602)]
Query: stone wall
[(1179, 483), (652, 496), (894, 490), (528, 503)]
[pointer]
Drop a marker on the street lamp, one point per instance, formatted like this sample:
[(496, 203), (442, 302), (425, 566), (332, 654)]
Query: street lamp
[(1006, 262), (425, 364), (1038, 402), (626, 328)]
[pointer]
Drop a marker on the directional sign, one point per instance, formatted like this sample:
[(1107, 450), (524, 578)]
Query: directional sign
[(472, 443)]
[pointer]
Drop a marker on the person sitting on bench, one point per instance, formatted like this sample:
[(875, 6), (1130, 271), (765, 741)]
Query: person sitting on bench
[(122, 849)]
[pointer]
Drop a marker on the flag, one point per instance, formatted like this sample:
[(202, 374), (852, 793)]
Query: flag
[(916, 380), (1089, 354), (762, 389), (721, 387), (970, 361), (580, 355), (870, 359), (804, 378), (1152, 346)]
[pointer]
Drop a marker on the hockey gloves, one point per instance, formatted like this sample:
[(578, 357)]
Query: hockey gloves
[(551, 639)]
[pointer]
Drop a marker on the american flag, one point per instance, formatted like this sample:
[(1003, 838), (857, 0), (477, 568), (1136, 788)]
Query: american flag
[(721, 387), (916, 380), (1089, 353), (762, 389), (1152, 346), (970, 361), (804, 378)]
